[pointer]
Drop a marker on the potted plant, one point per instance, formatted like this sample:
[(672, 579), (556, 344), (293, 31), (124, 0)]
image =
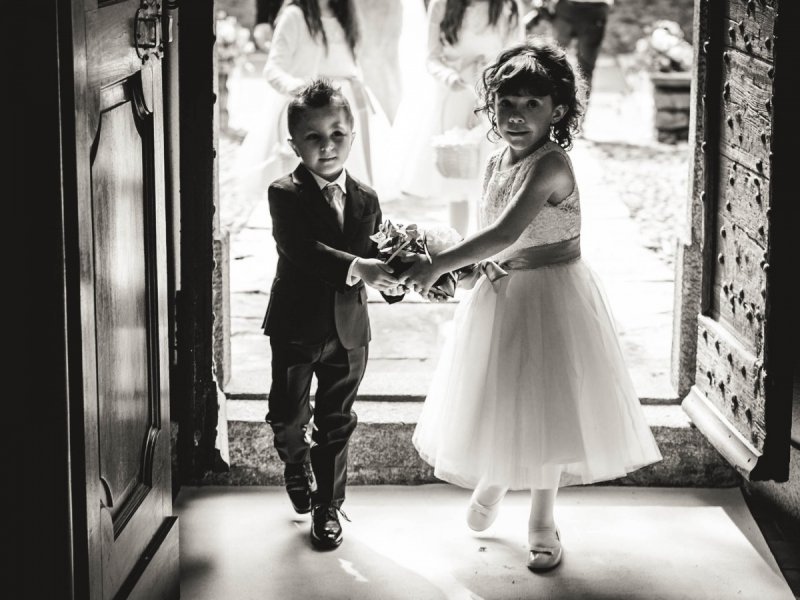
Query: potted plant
[(668, 58)]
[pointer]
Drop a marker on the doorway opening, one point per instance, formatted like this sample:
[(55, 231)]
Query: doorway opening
[(634, 194)]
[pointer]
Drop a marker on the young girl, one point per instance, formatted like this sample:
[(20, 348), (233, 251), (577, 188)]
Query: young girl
[(462, 37), (532, 389), (312, 39)]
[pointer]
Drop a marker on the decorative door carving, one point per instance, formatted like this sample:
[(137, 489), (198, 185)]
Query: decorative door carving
[(741, 398)]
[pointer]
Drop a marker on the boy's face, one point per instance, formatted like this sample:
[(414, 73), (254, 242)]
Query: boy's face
[(323, 139)]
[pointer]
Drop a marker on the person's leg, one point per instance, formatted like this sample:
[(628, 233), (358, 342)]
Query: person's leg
[(289, 409), (563, 29), (543, 502), (488, 494), (484, 504), (289, 414), (590, 29), (339, 373), (543, 536)]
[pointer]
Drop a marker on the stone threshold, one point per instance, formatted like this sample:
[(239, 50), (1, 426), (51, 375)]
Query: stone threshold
[(381, 451), (263, 397)]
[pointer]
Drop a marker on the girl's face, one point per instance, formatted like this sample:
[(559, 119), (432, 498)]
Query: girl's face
[(524, 120)]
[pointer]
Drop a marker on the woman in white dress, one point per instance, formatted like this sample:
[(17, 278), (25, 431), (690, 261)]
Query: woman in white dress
[(312, 39), (463, 36)]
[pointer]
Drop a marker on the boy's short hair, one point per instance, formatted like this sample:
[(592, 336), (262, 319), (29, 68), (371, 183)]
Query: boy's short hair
[(319, 93)]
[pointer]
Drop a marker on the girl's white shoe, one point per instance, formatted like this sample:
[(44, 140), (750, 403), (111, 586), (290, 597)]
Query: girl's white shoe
[(546, 551), (480, 516)]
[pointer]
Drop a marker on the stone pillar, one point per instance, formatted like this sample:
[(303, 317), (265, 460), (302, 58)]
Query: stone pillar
[(222, 308), (689, 256)]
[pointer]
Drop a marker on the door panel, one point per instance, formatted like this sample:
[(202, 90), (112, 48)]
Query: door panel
[(741, 396), (131, 533), (125, 414), (747, 111)]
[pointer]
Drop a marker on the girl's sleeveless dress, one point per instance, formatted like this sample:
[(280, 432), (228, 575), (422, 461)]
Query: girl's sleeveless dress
[(532, 377)]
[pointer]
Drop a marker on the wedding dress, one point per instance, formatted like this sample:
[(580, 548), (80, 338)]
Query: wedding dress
[(429, 106)]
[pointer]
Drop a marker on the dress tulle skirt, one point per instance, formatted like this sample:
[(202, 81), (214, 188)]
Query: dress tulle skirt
[(532, 380)]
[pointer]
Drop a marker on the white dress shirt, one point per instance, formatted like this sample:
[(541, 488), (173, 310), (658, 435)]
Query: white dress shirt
[(339, 200)]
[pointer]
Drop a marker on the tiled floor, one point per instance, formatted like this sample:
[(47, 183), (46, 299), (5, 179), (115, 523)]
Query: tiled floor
[(412, 543)]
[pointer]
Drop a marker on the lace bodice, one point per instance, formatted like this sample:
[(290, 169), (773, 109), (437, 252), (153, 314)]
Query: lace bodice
[(553, 223)]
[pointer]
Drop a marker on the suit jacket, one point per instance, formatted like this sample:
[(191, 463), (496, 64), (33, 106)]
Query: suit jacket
[(310, 299)]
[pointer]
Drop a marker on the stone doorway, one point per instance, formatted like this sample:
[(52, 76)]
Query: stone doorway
[(637, 198), (634, 191)]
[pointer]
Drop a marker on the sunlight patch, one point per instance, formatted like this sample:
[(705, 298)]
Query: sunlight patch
[(348, 568)]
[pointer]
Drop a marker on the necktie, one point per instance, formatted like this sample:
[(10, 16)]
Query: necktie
[(334, 195)]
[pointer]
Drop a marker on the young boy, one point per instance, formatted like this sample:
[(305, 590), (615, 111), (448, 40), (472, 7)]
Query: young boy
[(317, 315)]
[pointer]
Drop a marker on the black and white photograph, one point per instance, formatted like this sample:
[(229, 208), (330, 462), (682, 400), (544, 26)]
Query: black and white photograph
[(405, 300)]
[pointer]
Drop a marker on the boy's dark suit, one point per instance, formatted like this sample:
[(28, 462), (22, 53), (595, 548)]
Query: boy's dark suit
[(317, 324)]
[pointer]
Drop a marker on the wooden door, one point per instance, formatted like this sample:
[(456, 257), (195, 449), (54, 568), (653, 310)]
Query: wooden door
[(131, 536), (741, 398)]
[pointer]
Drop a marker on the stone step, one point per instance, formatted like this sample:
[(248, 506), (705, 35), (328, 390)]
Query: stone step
[(381, 451)]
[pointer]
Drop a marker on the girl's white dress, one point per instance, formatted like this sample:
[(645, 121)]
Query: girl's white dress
[(429, 107), (295, 58), (532, 377)]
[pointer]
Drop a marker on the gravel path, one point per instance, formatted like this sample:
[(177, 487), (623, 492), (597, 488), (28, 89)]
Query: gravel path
[(652, 182)]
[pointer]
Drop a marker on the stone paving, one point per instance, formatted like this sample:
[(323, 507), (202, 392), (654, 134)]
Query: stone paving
[(633, 199)]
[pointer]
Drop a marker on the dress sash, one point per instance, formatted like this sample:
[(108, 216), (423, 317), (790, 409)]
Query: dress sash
[(531, 258)]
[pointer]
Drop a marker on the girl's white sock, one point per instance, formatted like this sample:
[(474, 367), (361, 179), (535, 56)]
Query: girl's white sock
[(542, 523), (488, 494), (542, 504)]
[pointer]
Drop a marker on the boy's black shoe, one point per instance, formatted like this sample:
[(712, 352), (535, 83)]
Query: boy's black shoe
[(326, 531), (300, 484)]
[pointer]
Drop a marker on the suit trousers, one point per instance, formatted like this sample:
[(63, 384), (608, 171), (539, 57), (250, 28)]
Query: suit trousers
[(585, 21), (339, 372)]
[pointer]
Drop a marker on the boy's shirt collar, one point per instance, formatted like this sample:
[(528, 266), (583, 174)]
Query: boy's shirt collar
[(341, 180)]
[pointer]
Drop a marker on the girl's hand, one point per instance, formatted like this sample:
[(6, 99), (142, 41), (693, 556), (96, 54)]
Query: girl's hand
[(398, 290), (434, 296), (421, 276), (455, 82)]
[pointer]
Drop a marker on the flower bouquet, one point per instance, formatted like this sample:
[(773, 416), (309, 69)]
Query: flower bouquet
[(396, 241)]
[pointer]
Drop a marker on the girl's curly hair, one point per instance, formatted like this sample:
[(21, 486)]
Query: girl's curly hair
[(538, 67)]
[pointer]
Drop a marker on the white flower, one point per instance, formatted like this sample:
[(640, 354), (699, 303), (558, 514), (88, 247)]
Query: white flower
[(440, 237)]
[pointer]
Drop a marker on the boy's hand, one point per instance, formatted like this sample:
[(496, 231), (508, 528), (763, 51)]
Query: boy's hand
[(376, 273), (398, 290)]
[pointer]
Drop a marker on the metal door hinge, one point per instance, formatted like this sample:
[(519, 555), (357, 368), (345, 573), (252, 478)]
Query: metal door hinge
[(148, 36)]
